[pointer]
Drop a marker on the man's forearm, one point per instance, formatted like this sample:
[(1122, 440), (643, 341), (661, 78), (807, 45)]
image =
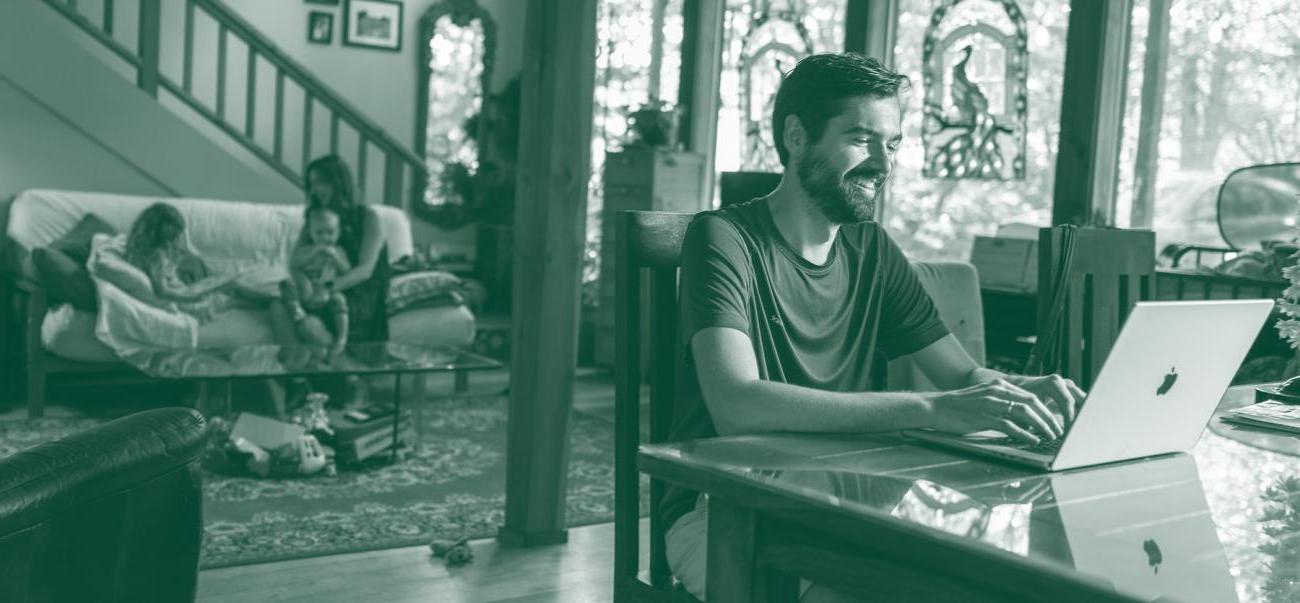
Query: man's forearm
[(766, 406)]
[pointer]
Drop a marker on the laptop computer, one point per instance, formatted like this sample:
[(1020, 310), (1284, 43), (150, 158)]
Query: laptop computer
[(1156, 391)]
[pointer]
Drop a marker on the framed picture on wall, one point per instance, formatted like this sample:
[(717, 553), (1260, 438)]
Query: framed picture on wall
[(320, 27), (373, 24)]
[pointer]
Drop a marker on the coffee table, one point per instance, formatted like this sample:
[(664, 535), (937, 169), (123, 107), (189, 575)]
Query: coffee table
[(221, 367)]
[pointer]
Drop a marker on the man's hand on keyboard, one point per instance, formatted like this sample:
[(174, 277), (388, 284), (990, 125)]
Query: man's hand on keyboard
[(997, 405), (1059, 394)]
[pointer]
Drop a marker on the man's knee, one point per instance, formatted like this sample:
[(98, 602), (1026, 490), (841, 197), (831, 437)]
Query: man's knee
[(686, 545)]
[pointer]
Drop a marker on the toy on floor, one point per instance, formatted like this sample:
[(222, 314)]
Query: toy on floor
[(455, 552)]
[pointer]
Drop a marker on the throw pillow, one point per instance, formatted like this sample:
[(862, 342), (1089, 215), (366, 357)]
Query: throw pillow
[(76, 243), (109, 264), (413, 288), (64, 280)]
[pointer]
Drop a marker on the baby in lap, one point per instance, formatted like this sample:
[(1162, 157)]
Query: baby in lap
[(314, 265)]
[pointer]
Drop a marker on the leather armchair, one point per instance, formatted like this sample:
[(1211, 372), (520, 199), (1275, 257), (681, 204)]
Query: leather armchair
[(112, 513)]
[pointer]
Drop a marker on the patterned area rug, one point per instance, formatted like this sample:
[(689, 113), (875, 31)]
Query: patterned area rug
[(451, 485)]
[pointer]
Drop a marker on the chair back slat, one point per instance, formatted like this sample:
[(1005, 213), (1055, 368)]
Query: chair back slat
[(1110, 271), (647, 242)]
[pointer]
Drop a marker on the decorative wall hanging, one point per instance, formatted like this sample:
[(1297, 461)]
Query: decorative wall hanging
[(975, 75), (320, 27), (373, 24), (458, 46)]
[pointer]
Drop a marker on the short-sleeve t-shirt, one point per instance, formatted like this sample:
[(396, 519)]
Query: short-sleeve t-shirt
[(812, 325)]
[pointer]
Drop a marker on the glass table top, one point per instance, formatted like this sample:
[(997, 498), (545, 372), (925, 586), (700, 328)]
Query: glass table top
[(1219, 524), (304, 360)]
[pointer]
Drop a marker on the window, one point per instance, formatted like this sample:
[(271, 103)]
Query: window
[(763, 39), (1230, 99), (456, 68), (638, 63), (934, 214)]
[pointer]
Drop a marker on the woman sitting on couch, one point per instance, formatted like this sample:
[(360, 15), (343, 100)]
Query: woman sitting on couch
[(365, 286)]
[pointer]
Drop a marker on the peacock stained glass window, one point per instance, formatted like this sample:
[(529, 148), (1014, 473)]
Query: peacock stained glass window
[(975, 76), (934, 217), (763, 39), (457, 59)]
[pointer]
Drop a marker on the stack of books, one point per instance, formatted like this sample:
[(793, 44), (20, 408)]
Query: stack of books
[(362, 434), (1269, 413)]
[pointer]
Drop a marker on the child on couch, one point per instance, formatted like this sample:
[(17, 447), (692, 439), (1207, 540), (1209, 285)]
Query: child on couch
[(315, 263), (157, 245)]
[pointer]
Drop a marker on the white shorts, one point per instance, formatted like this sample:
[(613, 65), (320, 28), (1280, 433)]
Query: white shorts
[(686, 545)]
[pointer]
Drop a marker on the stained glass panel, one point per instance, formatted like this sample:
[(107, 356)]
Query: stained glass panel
[(974, 78), (937, 219), (762, 40)]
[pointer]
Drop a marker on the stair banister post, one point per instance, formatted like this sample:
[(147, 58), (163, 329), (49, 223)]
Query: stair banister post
[(149, 42)]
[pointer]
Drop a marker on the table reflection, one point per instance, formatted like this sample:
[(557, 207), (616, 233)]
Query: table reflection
[(1145, 526), (1221, 524)]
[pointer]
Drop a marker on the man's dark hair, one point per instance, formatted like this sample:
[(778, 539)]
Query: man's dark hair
[(815, 91)]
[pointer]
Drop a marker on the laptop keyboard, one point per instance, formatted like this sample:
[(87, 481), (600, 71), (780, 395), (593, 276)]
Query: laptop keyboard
[(1042, 447)]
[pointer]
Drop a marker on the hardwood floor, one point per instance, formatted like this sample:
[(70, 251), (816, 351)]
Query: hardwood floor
[(578, 572)]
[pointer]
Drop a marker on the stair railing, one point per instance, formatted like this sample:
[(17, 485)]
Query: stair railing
[(403, 172)]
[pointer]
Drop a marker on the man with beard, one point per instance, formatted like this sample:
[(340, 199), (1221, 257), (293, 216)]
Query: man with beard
[(786, 299)]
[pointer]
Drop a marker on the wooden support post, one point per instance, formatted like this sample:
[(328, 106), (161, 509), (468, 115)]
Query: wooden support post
[(150, 30), (869, 27), (550, 224), (699, 91), (1092, 111)]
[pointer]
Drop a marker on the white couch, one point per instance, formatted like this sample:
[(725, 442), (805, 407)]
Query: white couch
[(229, 235)]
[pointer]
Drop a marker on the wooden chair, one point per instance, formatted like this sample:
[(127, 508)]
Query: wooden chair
[(739, 187), (1089, 280), (648, 242)]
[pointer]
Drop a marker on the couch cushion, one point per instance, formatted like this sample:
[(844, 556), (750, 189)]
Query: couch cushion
[(64, 279), (416, 288), (110, 266), (70, 333), (441, 325), (76, 243)]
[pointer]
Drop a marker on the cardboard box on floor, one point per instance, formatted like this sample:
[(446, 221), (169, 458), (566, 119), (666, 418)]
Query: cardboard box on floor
[(265, 432)]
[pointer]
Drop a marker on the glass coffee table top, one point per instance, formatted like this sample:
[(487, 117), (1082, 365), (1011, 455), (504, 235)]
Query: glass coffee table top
[(261, 361)]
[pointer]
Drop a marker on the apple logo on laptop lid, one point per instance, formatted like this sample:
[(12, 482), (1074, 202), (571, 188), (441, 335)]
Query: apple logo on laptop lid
[(1168, 383)]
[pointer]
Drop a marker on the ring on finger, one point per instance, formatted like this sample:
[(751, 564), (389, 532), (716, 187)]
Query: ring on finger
[(1011, 407)]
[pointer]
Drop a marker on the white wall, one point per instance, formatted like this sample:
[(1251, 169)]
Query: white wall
[(70, 122), (42, 150), (382, 84)]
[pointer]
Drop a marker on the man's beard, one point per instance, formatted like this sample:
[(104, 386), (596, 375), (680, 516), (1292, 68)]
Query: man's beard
[(842, 201)]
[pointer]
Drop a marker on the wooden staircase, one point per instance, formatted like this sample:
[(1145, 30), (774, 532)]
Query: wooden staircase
[(267, 137)]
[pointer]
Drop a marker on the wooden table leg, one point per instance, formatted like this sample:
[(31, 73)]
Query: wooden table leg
[(733, 571), (462, 382), (397, 412)]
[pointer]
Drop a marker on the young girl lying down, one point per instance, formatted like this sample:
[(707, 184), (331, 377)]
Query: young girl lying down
[(157, 244)]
